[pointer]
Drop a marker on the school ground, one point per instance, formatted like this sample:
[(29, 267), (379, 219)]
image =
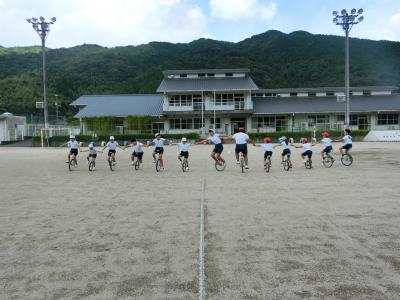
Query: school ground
[(314, 234)]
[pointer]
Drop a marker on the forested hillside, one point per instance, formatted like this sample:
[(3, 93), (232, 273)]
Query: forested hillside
[(276, 60)]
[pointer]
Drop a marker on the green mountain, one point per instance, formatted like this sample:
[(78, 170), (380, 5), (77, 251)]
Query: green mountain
[(298, 59)]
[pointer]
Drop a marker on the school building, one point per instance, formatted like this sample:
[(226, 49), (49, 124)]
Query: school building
[(226, 99)]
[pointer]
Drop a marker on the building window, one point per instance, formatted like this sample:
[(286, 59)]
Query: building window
[(217, 124), (366, 93), (180, 100), (182, 75), (185, 123), (330, 93), (315, 120), (196, 123), (263, 122), (210, 74), (202, 75), (229, 74), (293, 94), (388, 119), (340, 118), (312, 94)]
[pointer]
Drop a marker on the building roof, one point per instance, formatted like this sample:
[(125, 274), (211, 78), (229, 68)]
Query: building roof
[(206, 84), (329, 89), (205, 71), (119, 105), (325, 104)]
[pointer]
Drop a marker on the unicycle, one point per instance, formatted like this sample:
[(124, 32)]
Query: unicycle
[(347, 159), (267, 164), (184, 164), (287, 164), (328, 161), (72, 163), (308, 163), (220, 165)]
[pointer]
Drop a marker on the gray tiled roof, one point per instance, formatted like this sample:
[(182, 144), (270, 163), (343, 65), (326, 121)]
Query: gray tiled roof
[(329, 89), (206, 84), (325, 104), (119, 105), (205, 71)]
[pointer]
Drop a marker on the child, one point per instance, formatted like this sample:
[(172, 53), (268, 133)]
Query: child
[(184, 151), (137, 150), (348, 142), (307, 149), (73, 145), (159, 148), (112, 146), (218, 148), (327, 143), (286, 150), (268, 149), (92, 153)]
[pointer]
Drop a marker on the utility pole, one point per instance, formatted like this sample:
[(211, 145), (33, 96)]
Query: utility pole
[(43, 28), (347, 21)]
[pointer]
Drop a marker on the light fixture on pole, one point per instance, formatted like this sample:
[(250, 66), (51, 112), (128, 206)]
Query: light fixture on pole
[(347, 21), (43, 28), (57, 106)]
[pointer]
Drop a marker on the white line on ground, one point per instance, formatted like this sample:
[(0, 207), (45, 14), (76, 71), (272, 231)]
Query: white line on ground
[(202, 287)]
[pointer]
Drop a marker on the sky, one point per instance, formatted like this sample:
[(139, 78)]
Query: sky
[(114, 23)]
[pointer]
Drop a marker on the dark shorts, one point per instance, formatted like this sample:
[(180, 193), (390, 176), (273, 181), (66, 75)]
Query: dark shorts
[(185, 154), (92, 155), (218, 148), (327, 149), (307, 153), (139, 155), (286, 152), (241, 148), (73, 151), (159, 150), (110, 152), (347, 146), (267, 153)]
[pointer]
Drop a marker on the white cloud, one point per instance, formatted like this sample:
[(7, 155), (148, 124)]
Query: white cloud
[(234, 10), (104, 22)]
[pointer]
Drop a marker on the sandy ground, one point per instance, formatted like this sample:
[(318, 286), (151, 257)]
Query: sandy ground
[(303, 234)]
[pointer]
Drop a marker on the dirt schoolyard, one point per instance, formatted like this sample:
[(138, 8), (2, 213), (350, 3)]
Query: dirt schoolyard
[(303, 234)]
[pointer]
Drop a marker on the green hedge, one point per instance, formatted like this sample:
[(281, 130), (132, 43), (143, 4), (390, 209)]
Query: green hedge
[(58, 140)]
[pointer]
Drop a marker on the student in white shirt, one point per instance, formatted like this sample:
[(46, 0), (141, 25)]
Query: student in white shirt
[(158, 142), (112, 149), (137, 150), (268, 149), (218, 148), (73, 146), (284, 143), (184, 150), (326, 140), (306, 147), (348, 142), (241, 140), (92, 152)]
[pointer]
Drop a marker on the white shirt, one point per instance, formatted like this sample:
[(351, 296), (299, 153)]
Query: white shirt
[(240, 138), (112, 145), (184, 147), (267, 147), (327, 142), (138, 147), (73, 144), (214, 138), (307, 146), (347, 139), (92, 151), (159, 143), (284, 146)]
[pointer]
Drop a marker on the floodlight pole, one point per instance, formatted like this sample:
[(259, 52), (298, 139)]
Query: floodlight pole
[(346, 21), (43, 28)]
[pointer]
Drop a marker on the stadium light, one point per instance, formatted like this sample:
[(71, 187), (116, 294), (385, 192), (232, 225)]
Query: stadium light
[(43, 28), (347, 21)]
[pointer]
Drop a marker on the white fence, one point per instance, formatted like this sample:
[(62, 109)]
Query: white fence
[(53, 130)]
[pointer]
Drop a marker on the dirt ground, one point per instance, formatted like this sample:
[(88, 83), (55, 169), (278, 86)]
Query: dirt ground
[(303, 234)]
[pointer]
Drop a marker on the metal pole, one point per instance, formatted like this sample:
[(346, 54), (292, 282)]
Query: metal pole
[(347, 79), (202, 112), (215, 120), (46, 124)]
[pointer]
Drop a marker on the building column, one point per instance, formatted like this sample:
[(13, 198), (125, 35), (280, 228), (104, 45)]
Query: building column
[(373, 119)]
